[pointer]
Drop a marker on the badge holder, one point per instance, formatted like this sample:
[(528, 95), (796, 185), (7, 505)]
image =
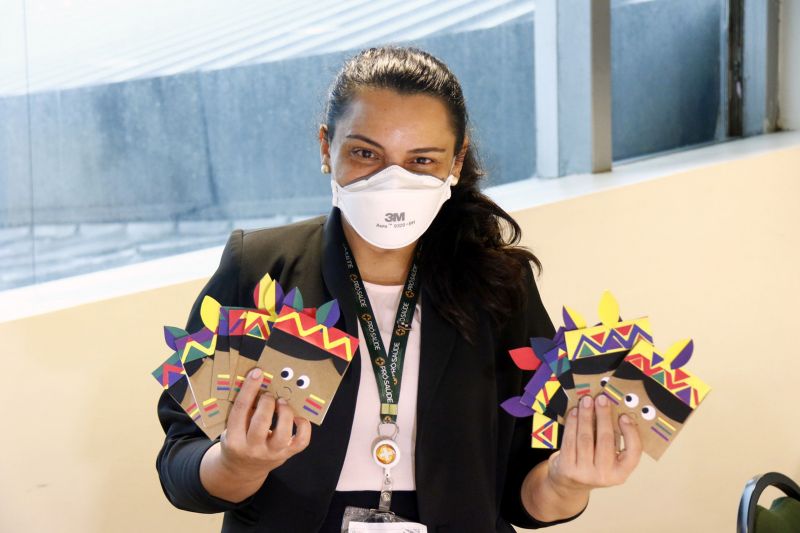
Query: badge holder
[(386, 454)]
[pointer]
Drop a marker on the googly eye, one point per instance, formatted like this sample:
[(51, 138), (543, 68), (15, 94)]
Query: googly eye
[(648, 412), (603, 382), (287, 373), (631, 400), (303, 382)]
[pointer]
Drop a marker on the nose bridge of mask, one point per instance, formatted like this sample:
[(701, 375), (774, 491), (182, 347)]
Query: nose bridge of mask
[(394, 177)]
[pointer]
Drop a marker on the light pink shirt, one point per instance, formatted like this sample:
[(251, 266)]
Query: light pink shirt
[(360, 472)]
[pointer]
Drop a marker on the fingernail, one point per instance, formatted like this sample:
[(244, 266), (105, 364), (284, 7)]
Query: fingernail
[(587, 401), (255, 373), (625, 419), (602, 400), (282, 401), (574, 412)]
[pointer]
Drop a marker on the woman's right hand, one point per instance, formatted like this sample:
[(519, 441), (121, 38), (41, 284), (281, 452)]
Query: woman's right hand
[(236, 467)]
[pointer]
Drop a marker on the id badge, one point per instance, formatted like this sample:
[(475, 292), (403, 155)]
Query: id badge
[(358, 520)]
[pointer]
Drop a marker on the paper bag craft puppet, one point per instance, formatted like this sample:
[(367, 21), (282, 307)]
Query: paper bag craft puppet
[(190, 351), (542, 398), (249, 342), (188, 373), (229, 334), (594, 353), (171, 376), (305, 358), (657, 392), (198, 368), (541, 393)]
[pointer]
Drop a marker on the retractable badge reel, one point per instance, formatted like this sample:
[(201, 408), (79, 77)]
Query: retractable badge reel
[(386, 453)]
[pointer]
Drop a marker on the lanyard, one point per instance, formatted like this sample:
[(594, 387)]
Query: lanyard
[(388, 370)]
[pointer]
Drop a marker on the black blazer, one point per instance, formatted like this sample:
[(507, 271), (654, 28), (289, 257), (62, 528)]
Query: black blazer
[(471, 457)]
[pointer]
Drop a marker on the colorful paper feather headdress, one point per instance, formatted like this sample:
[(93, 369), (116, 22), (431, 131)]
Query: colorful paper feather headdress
[(302, 354)]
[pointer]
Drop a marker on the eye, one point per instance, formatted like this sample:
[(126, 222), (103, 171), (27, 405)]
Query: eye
[(648, 412), (631, 400), (423, 161), (363, 153), (287, 373), (603, 382), (303, 382)]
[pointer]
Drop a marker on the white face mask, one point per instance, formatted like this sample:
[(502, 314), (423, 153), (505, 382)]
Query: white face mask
[(392, 208)]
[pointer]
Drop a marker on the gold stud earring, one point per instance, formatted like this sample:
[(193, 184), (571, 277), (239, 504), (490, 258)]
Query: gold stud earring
[(325, 168)]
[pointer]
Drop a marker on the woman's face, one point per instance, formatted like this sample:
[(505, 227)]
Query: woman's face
[(382, 128)]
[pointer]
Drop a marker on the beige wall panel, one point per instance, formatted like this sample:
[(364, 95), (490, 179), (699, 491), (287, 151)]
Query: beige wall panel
[(81, 427)]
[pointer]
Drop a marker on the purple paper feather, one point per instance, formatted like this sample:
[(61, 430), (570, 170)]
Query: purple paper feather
[(171, 336), (328, 314), (513, 407), (278, 297), (294, 299), (568, 322), (541, 345)]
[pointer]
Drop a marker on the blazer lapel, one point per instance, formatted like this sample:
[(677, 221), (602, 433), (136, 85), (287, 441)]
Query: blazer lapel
[(436, 347), (329, 441), (334, 272)]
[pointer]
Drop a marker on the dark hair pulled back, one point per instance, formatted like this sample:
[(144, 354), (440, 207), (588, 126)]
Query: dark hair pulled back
[(470, 253)]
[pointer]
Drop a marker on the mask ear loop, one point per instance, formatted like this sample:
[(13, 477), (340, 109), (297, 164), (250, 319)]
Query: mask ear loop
[(334, 192), (454, 180)]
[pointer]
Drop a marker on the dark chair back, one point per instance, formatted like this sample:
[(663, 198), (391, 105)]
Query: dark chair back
[(746, 522)]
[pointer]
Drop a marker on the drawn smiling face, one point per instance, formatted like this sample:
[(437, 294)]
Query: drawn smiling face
[(658, 414), (295, 377), (308, 379)]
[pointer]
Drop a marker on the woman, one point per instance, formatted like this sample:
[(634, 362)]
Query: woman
[(395, 141)]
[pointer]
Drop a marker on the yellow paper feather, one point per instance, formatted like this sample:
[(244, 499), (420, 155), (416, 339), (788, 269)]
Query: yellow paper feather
[(608, 310), (209, 313)]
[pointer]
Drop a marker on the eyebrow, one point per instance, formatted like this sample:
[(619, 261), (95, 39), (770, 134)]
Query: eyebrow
[(414, 151)]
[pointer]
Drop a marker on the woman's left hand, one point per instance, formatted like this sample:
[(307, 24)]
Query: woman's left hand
[(559, 488), (588, 457)]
